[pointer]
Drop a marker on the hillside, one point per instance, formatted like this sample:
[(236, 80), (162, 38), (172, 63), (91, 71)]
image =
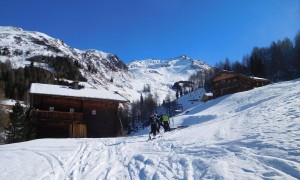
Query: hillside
[(102, 70), (248, 135), (191, 99)]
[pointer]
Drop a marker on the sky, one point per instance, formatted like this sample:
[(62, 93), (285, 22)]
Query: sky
[(141, 29)]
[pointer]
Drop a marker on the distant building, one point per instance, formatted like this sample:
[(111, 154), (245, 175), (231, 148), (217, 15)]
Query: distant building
[(62, 111), (227, 82), (207, 97), (258, 82)]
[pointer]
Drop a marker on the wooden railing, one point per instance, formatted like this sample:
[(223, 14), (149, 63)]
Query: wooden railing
[(56, 116)]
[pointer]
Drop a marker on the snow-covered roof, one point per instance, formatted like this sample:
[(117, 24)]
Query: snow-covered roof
[(258, 78), (231, 72), (59, 90), (209, 94)]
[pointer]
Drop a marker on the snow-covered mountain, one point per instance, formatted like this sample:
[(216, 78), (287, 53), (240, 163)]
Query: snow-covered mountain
[(108, 71), (18, 45), (160, 75), (248, 135)]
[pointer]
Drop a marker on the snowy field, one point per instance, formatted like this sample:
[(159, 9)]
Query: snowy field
[(249, 135)]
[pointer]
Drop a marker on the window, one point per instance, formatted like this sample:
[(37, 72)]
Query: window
[(93, 112), (71, 110), (51, 108)]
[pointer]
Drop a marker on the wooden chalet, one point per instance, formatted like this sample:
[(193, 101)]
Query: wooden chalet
[(227, 82), (62, 111), (207, 97), (258, 82)]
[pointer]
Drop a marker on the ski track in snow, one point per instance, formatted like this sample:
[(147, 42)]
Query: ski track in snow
[(249, 135)]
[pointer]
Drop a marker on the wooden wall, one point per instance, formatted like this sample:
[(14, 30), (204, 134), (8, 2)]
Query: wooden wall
[(59, 103), (77, 130), (223, 76), (50, 130), (103, 123), (228, 83)]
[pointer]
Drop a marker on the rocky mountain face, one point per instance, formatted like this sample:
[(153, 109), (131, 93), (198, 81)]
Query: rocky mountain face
[(102, 70)]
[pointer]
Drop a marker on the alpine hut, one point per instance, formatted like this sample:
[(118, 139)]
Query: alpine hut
[(228, 82), (62, 111)]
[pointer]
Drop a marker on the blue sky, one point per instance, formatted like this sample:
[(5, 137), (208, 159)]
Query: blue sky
[(210, 30)]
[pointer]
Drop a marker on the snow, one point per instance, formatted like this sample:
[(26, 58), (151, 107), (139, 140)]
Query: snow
[(10, 103), (191, 99), (258, 78), (248, 135), (161, 75), (209, 94), (58, 90)]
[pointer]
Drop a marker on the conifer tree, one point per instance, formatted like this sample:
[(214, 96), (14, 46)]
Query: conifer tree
[(141, 101), (1, 115), (18, 127), (227, 65), (1, 124), (296, 61), (256, 63)]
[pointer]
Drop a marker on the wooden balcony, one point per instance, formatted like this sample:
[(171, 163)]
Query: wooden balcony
[(42, 115)]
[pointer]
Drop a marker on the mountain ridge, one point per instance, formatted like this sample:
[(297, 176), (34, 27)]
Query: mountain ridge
[(101, 69)]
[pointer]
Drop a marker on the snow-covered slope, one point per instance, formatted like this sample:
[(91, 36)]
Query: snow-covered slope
[(248, 135), (191, 99), (18, 45), (160, 75)]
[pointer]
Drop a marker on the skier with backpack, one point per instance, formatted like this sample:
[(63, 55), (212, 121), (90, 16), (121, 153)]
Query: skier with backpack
[(159, 122), (153, 123), (165, 121)]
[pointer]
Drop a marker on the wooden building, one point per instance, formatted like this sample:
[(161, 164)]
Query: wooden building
[(62, 111), (207, 97), (258, 82), (227, 82)]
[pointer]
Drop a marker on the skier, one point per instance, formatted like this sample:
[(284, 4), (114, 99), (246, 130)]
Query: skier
[(158, 121), (153, 123), (165, 120)]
